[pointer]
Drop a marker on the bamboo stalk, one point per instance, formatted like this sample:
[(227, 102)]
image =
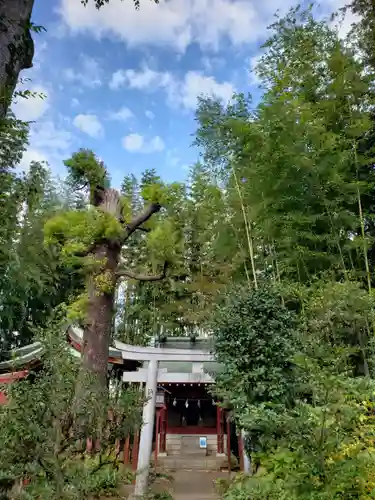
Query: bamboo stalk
[(361, 218), (365, 249), (247, 228)]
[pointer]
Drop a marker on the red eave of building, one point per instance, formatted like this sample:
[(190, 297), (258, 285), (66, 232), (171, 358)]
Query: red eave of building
[(78, 348), (74, 344), (7, 378)]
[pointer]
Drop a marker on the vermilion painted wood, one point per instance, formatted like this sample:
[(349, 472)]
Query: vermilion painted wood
[(228, 445), (3, 398), (157, 436), (78, 348), (163, 430), (220, 429), (127, 450), (7, 378), (135, 451), (89, 445), (193, 430)]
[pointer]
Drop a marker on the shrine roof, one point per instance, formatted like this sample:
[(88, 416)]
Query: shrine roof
[(187, 367), (199, 343)]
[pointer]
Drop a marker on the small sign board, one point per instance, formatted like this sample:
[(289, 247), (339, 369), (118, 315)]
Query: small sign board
[(203, 442), (160, 399)]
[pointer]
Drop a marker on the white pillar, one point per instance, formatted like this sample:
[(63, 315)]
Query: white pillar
[(246, 459), (145, 443)]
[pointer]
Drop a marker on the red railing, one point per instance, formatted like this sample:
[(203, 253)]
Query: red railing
[(220, 423)]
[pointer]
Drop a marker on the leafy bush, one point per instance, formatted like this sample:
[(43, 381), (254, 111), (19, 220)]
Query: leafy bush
[(316, 434), (42, 442), (256, 338)]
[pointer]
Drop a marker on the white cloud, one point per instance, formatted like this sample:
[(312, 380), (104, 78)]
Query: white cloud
[(48, 142), (211, 63), (156, 144), (46, 136), (176, 24), (344, 25), (179, 23), (172, 159), (146, 78), (122, 115), (75, 102), (196, 84), (149, 114), (252, 64), (32, 108), (117, 80), (90, 76), (179, 92), (136, 143), (29, 156), (143, 79), (40, 50), (133, 142), (89, 124)]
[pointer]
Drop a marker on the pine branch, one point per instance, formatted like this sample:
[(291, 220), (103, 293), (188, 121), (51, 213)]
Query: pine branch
[(140, 219), (127, 273), (143, 229)]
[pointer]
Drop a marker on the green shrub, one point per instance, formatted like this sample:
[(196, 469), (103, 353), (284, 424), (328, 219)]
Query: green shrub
[(42, 442)]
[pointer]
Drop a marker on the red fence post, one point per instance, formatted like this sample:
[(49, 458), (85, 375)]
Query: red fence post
[(89, 445), (135, 450), (157, 437), (220, 429), (126, 450), (163, 430), (229, 454)]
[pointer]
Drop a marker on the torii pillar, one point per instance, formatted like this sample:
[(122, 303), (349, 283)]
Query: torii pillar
[(145, 444)]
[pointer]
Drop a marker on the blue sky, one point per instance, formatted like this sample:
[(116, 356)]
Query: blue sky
[(125, 83)]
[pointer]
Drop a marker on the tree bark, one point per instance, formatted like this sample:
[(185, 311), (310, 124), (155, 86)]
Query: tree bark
[(101, 296), (97, 331), (91, 394), (16, 46)]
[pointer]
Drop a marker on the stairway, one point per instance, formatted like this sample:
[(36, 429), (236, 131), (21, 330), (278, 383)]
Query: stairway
[(184, 453), (195, 485), (186, 485)]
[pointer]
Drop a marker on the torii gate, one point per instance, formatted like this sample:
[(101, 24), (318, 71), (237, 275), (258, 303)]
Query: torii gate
[(152, 376)]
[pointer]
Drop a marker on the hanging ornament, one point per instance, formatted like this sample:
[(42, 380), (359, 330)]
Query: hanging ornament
[(199, 403), (187, 404), (174, 402), (213, 402)]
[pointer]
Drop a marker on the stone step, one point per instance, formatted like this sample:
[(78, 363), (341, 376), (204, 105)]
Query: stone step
[(192, 462), (189, 452), (189, 444), (190, 440), (193, 451)]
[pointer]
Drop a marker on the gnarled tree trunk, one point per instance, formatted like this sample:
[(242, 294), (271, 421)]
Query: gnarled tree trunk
[(101, 296), (100, 309), (16, 46), (91, 394)]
